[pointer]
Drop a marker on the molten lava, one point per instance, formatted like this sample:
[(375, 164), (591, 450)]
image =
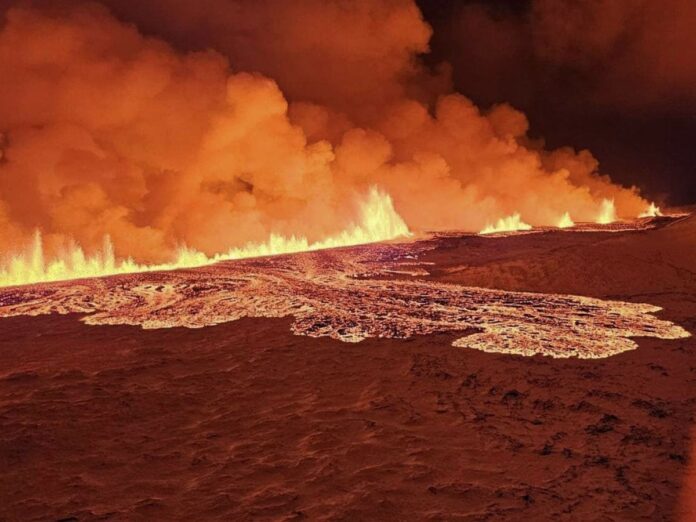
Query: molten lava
[(379, 221), (350, 295), (565, 221), (652, 211), (511, 223), (607, 212)]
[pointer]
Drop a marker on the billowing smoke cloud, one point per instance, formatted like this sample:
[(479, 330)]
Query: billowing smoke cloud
[(352, 56), (262, 117)]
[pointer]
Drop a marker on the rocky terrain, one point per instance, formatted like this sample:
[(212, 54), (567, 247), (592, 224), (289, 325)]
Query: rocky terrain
[(241, 400)]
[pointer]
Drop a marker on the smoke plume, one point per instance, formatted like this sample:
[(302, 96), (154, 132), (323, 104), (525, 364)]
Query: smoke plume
[(213, 123)]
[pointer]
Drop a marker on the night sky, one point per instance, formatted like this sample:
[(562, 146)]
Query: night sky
[(649, 143)]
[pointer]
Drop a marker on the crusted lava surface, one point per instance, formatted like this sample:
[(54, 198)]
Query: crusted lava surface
[(343, 294), (239, 391)]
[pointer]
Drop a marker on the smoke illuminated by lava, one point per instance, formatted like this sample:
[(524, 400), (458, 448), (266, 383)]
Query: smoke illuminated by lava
[(378, 222), (109, 131)]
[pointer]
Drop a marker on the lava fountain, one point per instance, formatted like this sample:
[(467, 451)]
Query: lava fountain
[(378, 221), (512, 223)]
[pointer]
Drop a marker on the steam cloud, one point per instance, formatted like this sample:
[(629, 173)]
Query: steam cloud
[(214, 123)]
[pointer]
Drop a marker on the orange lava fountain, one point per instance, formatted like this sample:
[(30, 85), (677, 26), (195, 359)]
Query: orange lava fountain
[(566, 221), (607, 212), (379, 221), (511, 223), (652, 211)]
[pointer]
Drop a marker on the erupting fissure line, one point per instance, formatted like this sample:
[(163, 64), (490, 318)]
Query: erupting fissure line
[(607, 215), (322, 298), (379, 221), (109, 128)]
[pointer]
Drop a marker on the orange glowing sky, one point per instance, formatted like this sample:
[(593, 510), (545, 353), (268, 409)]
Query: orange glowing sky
[(107, 132)]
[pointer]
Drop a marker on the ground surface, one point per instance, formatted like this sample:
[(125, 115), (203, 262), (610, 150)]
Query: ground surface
[(246, 421)]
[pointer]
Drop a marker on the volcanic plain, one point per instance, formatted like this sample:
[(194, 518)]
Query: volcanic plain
[(548, 375)]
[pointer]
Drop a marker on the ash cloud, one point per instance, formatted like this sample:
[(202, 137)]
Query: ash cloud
[(214, 123)]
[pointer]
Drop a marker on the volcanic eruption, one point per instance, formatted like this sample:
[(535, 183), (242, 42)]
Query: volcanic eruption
[(282, 259), (109, 133)]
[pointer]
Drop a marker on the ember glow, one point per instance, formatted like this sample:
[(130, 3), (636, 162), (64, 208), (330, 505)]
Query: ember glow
[(378, 222)]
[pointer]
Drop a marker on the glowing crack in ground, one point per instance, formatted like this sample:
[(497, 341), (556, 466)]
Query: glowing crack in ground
[(350, 295)]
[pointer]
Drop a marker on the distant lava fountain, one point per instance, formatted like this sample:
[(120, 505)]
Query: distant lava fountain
[(566, 221), (379, 221), (607, 212), (511, 223), (652, 211)]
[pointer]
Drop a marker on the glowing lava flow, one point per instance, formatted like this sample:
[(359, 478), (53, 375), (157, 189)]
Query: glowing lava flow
[(348, 295), (652, 211), (607, 212), (565, 221), (511, 223), (379, 221)]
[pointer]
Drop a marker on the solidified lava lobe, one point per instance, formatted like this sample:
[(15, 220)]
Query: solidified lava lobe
[(347, 295)]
